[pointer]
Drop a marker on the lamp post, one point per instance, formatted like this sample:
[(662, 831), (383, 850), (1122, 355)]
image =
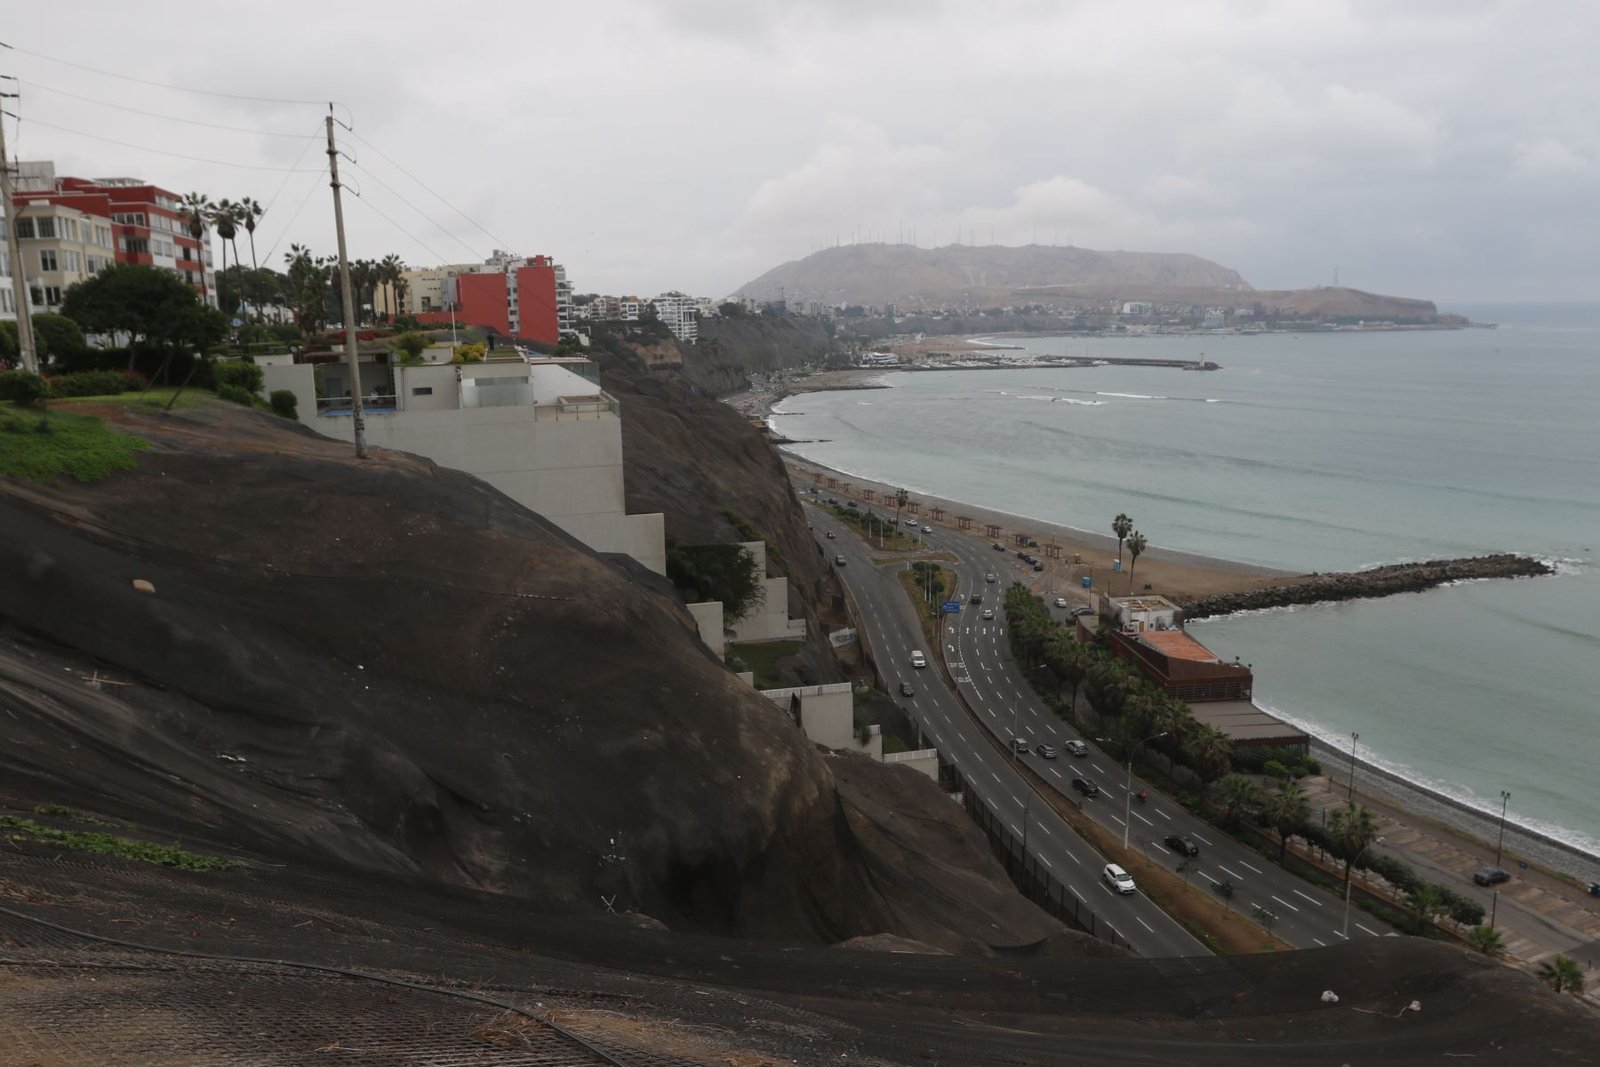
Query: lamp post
[(1354, 737), (1505, 798), (1127, 791)]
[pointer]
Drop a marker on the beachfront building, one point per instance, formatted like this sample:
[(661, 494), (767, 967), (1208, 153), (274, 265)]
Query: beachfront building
[(680, 314), (1147, 631)]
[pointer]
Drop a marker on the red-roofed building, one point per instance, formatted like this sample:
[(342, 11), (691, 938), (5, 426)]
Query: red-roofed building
[(1149, 633)]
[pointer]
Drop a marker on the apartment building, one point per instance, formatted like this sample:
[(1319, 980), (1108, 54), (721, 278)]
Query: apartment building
[(680, 314), (527, 298), (60, 245)]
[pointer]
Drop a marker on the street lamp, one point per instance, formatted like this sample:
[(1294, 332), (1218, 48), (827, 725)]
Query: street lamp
[(1354, 737), (1505, 798), (1127, 792)]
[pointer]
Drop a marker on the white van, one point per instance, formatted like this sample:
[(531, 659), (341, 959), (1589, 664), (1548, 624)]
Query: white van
[(918, 659)]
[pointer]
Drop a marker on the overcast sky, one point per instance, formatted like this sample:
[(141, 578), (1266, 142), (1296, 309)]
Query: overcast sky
[(1444, 149)]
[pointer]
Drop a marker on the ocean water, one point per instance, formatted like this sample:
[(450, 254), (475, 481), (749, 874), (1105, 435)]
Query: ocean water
[(1320, 452)]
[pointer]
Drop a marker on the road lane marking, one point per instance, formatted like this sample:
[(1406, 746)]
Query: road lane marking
[(1052, 866), (1285, 903), (1200, 839), (1015, 830), (1097, 766), (1242, 863), (1374, 933), (1046, 830), (1071, 857), (1118, 818), (1313, 900), (1163, 814), (995, 776), (1077, 894), (1055, 772), (1321, 942), (1142, 819), (1230, 874)]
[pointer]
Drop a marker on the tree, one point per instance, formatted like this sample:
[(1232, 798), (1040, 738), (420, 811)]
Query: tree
[(224, 217), (1121, 526), (1351, 829), (1286, 811), (1209, 753), (901, 499), (1235, 793), (1226, 891), (197, 213), (1186, 868), (393, 271), (58, 339), (154, 307), (308, 279), (1426, 903), (250, 211), (728, 573), (1136, 546), (1487, 940), (1562, 974)]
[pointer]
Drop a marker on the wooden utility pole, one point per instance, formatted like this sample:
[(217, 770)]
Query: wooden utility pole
[(19, 286), (354, 364)]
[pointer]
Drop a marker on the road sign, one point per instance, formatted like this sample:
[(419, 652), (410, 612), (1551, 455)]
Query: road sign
[(952, 607)]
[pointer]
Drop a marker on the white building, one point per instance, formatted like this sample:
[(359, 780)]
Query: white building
[(8, 301), (680, 314), (826, 714)]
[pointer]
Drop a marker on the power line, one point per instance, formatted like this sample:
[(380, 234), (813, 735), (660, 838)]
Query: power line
[(163, 85), (498, 242), (155, 115), (296, 215), (161, 152), (303, 149), (431, 221), (379, 212)]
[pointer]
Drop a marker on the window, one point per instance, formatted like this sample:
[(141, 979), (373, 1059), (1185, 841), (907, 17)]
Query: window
[(52, 295), (6, 305), (422, 390), (47, 259), (46, 227), (137, 246), (74, 261), (25, 228), (69, 230)]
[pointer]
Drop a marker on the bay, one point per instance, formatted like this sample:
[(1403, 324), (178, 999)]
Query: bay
[(1319, 451)]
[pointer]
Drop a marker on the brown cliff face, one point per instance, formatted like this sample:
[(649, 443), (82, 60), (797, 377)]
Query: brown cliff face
[(407, 671)]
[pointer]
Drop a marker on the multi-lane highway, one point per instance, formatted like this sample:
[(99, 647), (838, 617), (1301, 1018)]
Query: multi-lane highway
[(994, 698)]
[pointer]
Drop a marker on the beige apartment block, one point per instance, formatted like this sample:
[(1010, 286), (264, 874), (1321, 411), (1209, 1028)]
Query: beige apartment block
[(60, 246)]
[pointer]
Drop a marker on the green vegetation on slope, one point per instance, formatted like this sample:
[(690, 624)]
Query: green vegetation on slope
[(40, 446), (20, 829)]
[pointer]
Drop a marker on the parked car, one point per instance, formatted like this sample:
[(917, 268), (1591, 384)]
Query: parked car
[(1082, 611), (998, 547), (927, 529), (1117, 878), (1086, 787), (832, 536), (838, 561), (1020, 744), (906, 690), (1048, 751), (1490, 876), (1076, 747), (988, 613), (849, 503), (1182, 845), (1038, 566), (1061, 601)]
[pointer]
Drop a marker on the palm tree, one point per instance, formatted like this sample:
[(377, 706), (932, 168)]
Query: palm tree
[(1210, 753), (393, 268), (1136, 547), (1121, 526), (1287, 811), (1487, 940), (249, 211), (901, 499), (223, 217), (1236, 793), (1426, 903), (197, 212), (1352, 829), (1562, 974)]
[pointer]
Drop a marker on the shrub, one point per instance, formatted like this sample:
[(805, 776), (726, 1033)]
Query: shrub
[(22, 387), (469, 353), (237, 394), (240, 374), (285, 403), (412, 344), (89, 383), (1396, 872), (1275, 769), (1464, 911)]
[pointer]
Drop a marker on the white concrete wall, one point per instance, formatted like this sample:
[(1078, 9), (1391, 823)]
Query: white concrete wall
[(708, 617), (298, 378), (769, 620), (922, 760), (827, 714)]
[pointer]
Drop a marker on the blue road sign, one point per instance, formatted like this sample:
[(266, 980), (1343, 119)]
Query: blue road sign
[(952, 607)]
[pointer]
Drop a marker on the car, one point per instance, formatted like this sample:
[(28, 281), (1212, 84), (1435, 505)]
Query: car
[(977, 598), (832, 536), (1047, 751), (1086, 787), (988, 613), (906, 690), (849, 503), (1117, 878), (998, 547), (927, 529), (1079, 612), (1038, 566), (1021, 554), (1490, 876), (1182, 845), (1061, 601), (989, 577), (1019, 744), (918, 660), (894, 522), (1076, 747), (838, 561), (834, 501)]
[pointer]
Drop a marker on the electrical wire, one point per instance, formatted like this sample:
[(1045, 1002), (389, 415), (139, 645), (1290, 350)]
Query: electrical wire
[(285, 180), (165, 85), (430, 220), (498, 242), (379, 212), (303, 201), (160, 151), (154, 114)]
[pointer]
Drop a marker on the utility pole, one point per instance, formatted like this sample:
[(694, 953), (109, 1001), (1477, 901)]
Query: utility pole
[(19, 285), (349, 298)]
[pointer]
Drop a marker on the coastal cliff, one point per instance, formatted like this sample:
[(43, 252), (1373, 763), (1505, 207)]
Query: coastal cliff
[(1377, 582)]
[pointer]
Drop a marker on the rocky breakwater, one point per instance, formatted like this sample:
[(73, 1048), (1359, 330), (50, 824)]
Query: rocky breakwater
[(1379, 581)]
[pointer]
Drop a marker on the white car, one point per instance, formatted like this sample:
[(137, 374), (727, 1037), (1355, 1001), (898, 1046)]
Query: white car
[(927, 529), (1076, 747), (988, 613), (1061, 601), (1117, 878)]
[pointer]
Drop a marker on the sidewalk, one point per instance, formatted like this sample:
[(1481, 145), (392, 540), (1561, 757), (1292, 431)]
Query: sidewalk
[(1538, 914)]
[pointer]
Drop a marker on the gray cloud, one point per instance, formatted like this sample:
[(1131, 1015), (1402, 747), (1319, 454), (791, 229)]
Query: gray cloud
[(1441, 149)]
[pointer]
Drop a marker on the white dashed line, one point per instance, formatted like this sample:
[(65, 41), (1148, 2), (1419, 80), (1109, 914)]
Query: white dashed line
[(1052, 866), (1142, 923), (1321, 942), (1071, 857), (1374, 933), (1142, 819), (1200, 839), (1247, 867), (1163, 814), (1097, 766), (1230, 874), (995, 776), (1285, 903), (1303, 896), (1077, 894)]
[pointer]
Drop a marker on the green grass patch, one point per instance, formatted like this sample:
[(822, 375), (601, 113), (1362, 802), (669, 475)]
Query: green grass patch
[(41, 445), (158, 397), (763, 660), (20, 829)]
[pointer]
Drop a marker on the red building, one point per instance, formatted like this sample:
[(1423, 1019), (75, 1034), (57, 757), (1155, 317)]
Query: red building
[(515, 298)]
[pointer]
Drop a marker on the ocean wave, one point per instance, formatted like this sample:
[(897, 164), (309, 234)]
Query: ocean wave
[(1134, 396)]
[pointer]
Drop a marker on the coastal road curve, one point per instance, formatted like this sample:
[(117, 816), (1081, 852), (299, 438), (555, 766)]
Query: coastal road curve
[(978, 652), (892, 631)]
